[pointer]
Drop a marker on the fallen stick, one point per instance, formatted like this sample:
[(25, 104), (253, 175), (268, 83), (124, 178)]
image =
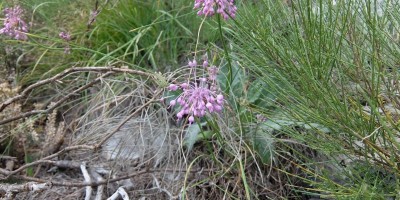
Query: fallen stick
[(120, 192), (11, 189), (87, 178)]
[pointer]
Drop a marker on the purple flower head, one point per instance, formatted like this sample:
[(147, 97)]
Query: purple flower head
[(199, 95), (173, 87), (14, 26), (191, 119), (205, 63), (196, 101), (208, 8), (184, 85), (65, 36), (192, 63)]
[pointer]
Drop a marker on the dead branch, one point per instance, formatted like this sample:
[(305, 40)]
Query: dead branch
[(27, 187), (55, 105), (88, 179), (4, 157), (120, 192), (44, 160), (99, 181), (66, 72), (105, 181), (100, 188), (82, 184)]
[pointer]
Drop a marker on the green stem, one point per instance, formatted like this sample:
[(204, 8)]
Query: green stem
[(229, 79)]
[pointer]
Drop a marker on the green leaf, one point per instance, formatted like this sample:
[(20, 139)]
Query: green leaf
[(264, 143), (238, 79), (192, 135), (261, 94), (255, 90)]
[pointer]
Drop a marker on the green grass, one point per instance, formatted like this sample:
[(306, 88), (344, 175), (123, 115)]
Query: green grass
[(332, 68), (153, 34)]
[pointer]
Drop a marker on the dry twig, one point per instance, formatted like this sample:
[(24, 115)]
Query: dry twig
[(67, 72), (106, 70), (51, 108), (100, 188), (121, 191), (87, 178), (10, 190), (102, 182)]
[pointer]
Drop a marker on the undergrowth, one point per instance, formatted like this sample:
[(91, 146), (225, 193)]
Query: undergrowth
[(266, 99), (330, 68)]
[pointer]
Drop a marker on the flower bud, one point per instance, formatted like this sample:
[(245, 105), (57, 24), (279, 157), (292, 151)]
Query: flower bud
[(191, 119), (193, 63), (173, 87)]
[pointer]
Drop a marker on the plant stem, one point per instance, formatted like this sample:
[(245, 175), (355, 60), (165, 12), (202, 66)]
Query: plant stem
[(229, 79)]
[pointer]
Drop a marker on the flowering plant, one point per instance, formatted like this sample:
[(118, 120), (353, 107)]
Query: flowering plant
[(14, 26), (208, 8), (66, 37), (200, 94)]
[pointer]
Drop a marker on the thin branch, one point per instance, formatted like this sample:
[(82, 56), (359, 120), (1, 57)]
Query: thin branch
[(100, 188), (66, 72), (26, 187), (87, 178), (55, 105), (105, 181), (120, 192), (83, 184), (44, 160)]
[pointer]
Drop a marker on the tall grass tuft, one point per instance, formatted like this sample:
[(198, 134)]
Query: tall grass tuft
[(151, 34), (330, 68)]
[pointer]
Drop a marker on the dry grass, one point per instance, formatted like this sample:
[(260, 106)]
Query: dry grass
[(122, 131)]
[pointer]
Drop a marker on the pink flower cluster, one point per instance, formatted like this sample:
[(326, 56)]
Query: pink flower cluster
[(14, 26), (66, 37), (225, 8), (199, 94)]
